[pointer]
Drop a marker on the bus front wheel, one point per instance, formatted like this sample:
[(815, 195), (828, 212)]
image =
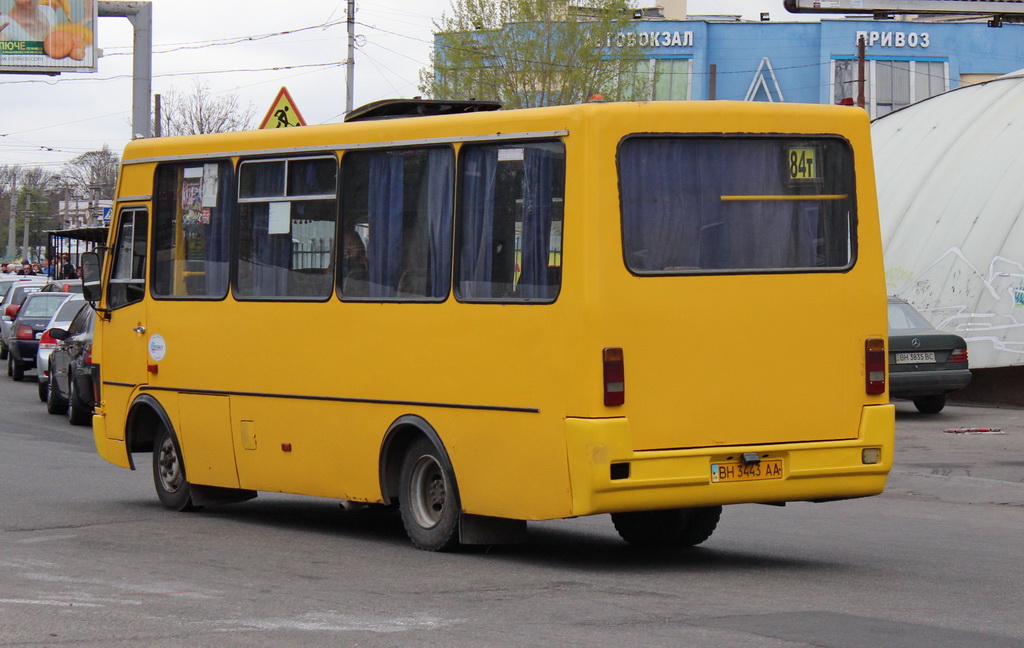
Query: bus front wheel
[(428, 500), (172, 488), (672, 528)]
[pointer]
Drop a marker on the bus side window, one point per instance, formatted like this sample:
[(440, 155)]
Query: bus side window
[(510, 213), (286, 228), (396, 220), (127, 283), (192, 218)]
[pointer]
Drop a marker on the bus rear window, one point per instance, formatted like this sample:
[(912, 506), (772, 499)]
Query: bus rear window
[(733, 204)]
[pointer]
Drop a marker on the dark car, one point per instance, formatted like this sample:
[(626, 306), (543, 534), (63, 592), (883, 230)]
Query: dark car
[(26, 329), (924, 364), (71, 370)]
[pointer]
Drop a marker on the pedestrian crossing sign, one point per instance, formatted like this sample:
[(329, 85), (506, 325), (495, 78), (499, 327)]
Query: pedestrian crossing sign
[(283, 112)]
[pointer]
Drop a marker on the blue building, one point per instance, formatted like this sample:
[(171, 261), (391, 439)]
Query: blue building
[(816, 62)]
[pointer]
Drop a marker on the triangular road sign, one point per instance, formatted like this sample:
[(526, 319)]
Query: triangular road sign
[(283, 112)]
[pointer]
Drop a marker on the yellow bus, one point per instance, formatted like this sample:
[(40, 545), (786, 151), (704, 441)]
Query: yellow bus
[(484, 317)]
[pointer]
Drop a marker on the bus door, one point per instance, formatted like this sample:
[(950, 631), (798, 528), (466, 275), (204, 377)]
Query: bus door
[(124, 363)]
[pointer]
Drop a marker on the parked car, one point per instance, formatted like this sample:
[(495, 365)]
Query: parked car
[(924, 364), (61, 319), (64, 285), (17, 290), (71, 370), (26, 329)]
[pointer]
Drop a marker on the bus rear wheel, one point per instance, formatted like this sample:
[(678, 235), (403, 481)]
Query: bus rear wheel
[(686, 527), (428, 499), (172, 487)]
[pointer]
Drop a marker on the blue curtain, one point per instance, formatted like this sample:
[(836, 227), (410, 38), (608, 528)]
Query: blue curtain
[(270, 255), (536, 226), (440, 180), (385, 215), (476, 255), (674, 217), (218, 237)]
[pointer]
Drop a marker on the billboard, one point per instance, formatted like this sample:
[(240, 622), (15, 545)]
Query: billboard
[(48, 36), (983, 7)]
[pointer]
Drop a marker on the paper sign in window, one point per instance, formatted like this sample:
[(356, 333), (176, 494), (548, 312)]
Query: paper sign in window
[(279, 218), (211, 183)]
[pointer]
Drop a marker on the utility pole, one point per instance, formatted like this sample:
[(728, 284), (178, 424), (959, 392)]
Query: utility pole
[(350, 62), (140, 14), (11, 234), (24, 240), (860, 72)]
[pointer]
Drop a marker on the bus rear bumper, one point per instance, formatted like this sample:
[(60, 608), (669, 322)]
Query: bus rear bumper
[(607, 476)]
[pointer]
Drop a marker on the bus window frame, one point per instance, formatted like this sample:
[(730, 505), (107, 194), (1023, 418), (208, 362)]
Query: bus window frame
[(134, 210), (225, 161), (339, 242), (236, 239), (853, 221), (457, 222)]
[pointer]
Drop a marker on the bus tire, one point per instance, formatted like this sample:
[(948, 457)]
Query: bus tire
[(930, 404), (55, 403), (685, 527), (172, 487), (428, 498)]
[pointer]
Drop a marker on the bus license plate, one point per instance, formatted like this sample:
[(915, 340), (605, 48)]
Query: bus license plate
[(735, 471), (915, 358)]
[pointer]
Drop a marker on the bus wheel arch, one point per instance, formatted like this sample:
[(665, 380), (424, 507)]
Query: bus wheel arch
[(149, 429), (416, 469), (145, 418)]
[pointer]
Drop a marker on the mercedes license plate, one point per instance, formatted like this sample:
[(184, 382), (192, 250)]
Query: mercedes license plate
[(915, 358)]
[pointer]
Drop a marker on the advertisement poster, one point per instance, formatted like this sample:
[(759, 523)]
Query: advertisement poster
[(192, 210), (49, 36)]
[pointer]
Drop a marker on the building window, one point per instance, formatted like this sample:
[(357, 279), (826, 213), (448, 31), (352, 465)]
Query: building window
[(657, 79), (889, 85)]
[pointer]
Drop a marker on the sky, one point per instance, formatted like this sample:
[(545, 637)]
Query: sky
[(244, 47)]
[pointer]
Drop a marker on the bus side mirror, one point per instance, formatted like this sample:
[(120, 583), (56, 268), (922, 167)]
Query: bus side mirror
[(92, 289)]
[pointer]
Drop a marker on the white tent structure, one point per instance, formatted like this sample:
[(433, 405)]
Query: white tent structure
[(950, 173)]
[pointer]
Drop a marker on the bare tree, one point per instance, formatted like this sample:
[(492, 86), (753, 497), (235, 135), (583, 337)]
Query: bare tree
[(91, 174), (198, 112)]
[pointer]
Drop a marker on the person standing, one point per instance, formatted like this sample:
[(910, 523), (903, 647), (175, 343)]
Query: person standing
[(67, 269)]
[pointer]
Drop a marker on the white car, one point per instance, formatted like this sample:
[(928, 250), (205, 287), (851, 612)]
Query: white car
[(61, 319), (13, 290)]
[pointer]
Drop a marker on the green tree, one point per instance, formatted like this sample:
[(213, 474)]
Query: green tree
[(527, 53)]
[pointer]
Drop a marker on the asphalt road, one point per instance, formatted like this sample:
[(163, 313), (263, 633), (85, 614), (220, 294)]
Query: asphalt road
[(88, 558)]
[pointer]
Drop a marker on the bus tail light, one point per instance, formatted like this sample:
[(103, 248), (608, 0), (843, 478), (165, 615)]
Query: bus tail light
[(25, 332), (47, 341), (874, 365), (958, 355), (87, 357), (614, 376)]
